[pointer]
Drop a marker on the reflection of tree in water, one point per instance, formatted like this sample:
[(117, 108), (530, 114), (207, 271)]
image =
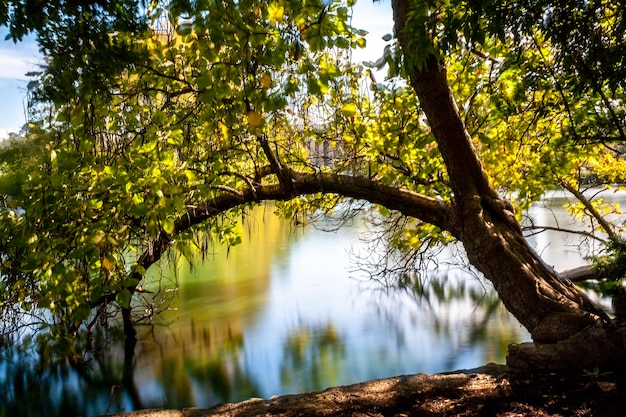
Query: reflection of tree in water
[(82, 380), (313, 358), (219, 371), (459, 308), (195, 364), (92, 381)]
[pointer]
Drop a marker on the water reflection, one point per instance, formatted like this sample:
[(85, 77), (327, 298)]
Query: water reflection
[(36, 385), (567, 250), (278, 314), (313, 357)]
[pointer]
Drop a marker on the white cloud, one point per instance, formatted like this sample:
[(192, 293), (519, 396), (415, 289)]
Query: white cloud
[(4, 133), (14, 64), (16, 59)]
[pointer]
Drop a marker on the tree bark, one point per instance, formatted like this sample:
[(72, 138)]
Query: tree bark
[(129, 327), (551, 308)]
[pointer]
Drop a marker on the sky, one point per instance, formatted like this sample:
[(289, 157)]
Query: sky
[(15, 61), (18, 59)]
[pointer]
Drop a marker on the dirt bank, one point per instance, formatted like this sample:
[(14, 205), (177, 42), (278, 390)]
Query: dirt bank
[(487, 391)]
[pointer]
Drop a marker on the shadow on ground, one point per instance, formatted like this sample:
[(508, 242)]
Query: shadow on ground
[(488, 391)]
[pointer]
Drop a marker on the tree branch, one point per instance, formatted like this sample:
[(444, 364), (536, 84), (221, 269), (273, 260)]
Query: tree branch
[(578, 274), (608, 228), (535, 230), (430, 210), (284, 178)]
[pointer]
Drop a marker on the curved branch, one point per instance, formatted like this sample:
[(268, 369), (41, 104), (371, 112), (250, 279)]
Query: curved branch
[(431, 210), (283, 175)]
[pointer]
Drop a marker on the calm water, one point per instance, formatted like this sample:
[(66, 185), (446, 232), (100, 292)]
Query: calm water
[(284, 312)]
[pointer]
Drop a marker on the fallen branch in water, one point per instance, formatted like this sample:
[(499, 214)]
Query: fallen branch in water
[(581, 273)]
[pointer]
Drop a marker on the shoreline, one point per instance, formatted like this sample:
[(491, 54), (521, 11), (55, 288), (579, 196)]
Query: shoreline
[(372, 394)]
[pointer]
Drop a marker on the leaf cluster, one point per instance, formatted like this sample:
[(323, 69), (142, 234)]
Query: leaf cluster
[(117, 166), (216, 98), (86, 43)]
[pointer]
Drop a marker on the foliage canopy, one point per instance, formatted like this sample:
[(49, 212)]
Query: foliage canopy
[(163, 121)]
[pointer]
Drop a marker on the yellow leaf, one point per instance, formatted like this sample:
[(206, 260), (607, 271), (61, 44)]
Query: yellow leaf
[(349, 109), (224, 130), (108, 263), (266, 81), (275, 12), (255, 120), (97, 238)]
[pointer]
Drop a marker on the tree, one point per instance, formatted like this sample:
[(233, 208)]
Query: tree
[(223, 110), (90, 40), (550, 307)]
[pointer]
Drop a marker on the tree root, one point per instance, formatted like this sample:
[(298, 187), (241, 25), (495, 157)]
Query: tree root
[(593, 347)]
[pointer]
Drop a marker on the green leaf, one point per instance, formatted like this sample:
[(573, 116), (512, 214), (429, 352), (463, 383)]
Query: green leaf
[(129, 283), (123, 298), (138, 269), (168, 226), (342, 43), (148, 147), (11, 185), (94, 204), (96, 293), (187, 249), (80, 314), (137, 199), (176, 137)]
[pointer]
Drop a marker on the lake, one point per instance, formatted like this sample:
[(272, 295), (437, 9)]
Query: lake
[(286, 311)]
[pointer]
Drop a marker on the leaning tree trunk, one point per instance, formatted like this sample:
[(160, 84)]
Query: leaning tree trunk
[(551, 308)]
